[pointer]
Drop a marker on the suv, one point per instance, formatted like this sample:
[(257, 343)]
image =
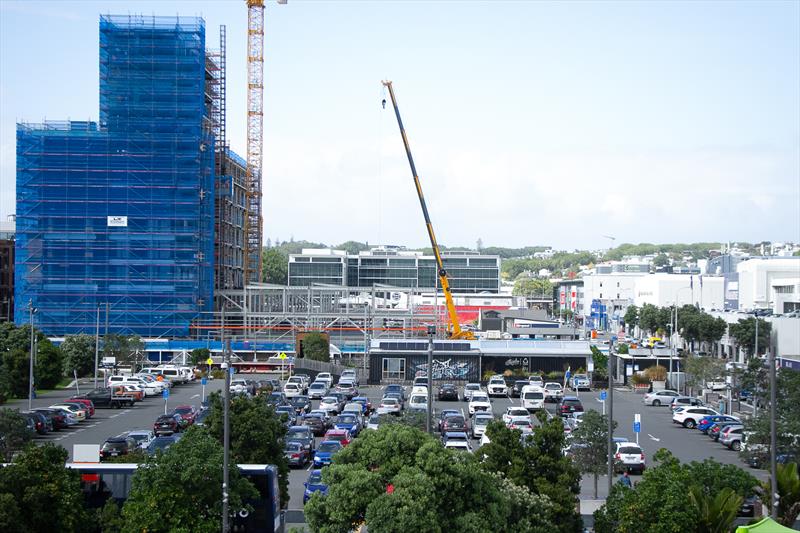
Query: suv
[(302, 434), (580, 382), (497, 386), (690, 416), (532, 397), (629, 457), (553, 392), (447, 391), (469, 389), (661, 397), (569, 405), (166, 425), (685, 401), (351, 375), (479, 401), (731, 436), (116, 446)]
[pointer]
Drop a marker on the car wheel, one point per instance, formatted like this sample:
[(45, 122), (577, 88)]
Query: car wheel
[(689, 423), (656, 403), (736, 446)]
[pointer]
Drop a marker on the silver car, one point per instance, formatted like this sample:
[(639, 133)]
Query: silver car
[(731, 437), (661, 397)]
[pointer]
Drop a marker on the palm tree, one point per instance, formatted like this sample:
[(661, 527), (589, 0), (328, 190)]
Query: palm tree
[(714, 514), (788, 493)]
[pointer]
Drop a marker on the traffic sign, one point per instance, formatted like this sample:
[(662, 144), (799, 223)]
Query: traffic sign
[(233, 371), (165, 394), (282, 355), (603, 395), (209, 361), (637, 427), (203, 380)]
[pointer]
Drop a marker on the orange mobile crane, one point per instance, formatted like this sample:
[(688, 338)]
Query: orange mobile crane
[(454, 329)]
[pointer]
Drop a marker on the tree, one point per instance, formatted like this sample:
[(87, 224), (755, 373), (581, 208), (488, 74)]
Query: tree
[(14, 433), (745, 334), (589, 446), (788, 493), (274, 266), (715, 512), (353, 247), (600, 363), (702, 369), (15, 372), (199, 356), (315, 345), (631, 318), (537, 464), (78, 353), (257, 435), (127, 350), (19, 338), (532, 287), (184, 485), (652, 318), (660, 260), (38, 494), (49, 366)]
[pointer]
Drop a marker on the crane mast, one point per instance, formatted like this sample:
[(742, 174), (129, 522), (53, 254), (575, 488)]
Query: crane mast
[(454, 329)]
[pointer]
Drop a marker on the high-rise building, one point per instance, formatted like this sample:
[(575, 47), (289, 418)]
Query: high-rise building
[(119, 214)]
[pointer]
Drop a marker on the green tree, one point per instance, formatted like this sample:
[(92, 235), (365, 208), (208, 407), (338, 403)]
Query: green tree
[(15, 372), (257, 435), (353, 247), (49, 366), (199, 356), (715, 512), (600, 363), (14, 433), (652, 318), (537, 464), (788, 493), (38, 494), (274, 266), (78, 353), (127, 350), (702, 369), (532, 287), (631, 318), (589, 445), (184, 486), (745, 334), (660, 260), (19, 338), (316, 346)]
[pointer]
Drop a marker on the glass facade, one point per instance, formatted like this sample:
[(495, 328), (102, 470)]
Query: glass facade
[(120, 213), (467, 274)]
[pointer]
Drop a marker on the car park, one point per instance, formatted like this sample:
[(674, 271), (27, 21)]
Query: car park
[(553, 392), (479, 423), (296, 454), (325, 452), (469, 389), (690, 416), (447, 392), (314, 484), (569, 405), (580, 382), (629, 457), (497, 386), (116, 447), (317, 390), (479, 401), (658, 398), (532, 398)]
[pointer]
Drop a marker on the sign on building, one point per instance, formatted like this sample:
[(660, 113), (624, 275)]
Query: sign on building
[(117, 222)]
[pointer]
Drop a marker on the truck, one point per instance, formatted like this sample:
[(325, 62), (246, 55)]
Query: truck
[(109, 397)]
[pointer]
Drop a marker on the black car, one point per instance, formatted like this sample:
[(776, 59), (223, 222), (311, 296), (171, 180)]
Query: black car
[(288, 411), (301, 404), (117, 446), (448, 391), (303, 435), (516, 388), (569, 405), (276, 398), (316, 424)]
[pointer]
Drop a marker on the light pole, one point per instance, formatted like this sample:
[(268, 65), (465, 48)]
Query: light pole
[(610, 415), (226, 434), (773, 440), (429, 417), (96, 345), (31, 311)]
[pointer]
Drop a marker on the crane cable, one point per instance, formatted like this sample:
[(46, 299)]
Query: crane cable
[(380, 165)]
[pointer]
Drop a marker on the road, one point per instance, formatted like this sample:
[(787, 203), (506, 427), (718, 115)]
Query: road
[(657, 429)]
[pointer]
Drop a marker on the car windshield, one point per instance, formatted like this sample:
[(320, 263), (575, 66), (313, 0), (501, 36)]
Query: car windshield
[(161, 443), (347, 419), (138, 437), (315, 478), (534, 395), (572, 402), (317, 386), (518, 412), (164, 419), (329, 446), (374, 419), (479, 397), (482, 421), (329, 399), (390, 401), (473, 386), (115, 445), (293, 446), (183, 410), (297, 432)]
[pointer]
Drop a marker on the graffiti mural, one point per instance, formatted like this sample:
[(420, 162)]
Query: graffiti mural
[(448, 369)]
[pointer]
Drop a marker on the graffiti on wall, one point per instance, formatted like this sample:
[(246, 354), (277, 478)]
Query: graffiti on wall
[(445, 369)]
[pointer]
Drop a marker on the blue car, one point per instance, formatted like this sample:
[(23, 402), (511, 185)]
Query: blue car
[(325, 452), (348, 422), (707, 421), (314, 484)]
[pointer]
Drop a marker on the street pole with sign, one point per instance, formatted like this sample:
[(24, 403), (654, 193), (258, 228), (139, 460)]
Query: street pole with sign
[(637, 425), (31, 311), (773, 437), (610, 414), (96, 345), (226, 442), (429, 417), (165, 395)]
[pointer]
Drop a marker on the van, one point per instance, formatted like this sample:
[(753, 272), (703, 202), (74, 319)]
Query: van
[(418, 402), (174, 375), (532, 398)]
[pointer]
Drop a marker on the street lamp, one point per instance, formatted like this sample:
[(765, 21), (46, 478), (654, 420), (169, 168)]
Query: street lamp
[(610, 415), (226, 433), (96, 345), (31, 311), (431, 335)]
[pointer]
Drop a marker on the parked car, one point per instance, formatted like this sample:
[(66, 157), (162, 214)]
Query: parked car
[(517, 386), (330, 404), (239, 386), (479, 423), (317, 390), (109, 397), (522, 423), (77, 409), (300, 381), (54, 420), (341, 435), (365, 403), (497, 386), (347, 387), (447, 392), (685, 401), (325, 452), (315, 423), (690, 416), (86, 403), (314, 484), (277, 398), (161, 443), (301, 404), (661, 397), (514, 412), (395, 388), (325, 377), (287, 411), (349, 374), (390, 406), (455, 422), (459, 445), (400, 398), (187, 414), (715, 431), (580, 382), (117, 446), (629, 457), (533, 398), (166, 425), (143, 437), (731, 437), (418, 402), (569, 405), (296, 454), (479, 401), (470, 388), (553, 392), (708, 421), (301, 434), (40, 422), (348, 421)]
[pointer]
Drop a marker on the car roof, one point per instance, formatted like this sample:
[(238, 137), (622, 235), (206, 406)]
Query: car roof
[(565, 398), (455, 435), (330, 442)]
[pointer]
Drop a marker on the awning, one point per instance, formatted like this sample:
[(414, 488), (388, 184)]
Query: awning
[(768, 525)]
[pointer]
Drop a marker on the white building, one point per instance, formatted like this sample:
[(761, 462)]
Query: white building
[(616, 291), (769, 283), (785, 337), (662, 290)]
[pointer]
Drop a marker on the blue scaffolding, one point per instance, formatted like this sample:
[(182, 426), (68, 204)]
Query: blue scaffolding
[(119, 214)]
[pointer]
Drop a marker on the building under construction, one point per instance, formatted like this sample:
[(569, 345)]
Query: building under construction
[(130, 223)]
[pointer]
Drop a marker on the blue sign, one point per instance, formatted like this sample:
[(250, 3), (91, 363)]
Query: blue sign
[(637, 427), (233, 371), (165, 394), (603, 395), (203, 380)]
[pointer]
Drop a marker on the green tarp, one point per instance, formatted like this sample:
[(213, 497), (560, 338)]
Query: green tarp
[(768, 525)]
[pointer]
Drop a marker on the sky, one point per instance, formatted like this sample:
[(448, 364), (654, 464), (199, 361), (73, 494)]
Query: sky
[(531, 123)]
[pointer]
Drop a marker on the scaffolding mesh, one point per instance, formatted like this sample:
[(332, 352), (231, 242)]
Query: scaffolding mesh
[(121, 213)]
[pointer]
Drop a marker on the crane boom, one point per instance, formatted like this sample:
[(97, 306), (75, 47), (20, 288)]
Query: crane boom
[(455, 330)]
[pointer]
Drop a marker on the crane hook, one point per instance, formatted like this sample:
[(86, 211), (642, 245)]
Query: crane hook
[(383, 103)]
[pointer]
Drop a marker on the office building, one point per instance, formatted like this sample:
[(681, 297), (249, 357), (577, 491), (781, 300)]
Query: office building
[(7, 230)]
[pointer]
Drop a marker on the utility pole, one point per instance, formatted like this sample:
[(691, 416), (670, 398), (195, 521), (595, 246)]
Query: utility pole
[(610, 415), (429, 417), (773, 440), (226, 438), (755, 354), (96, 345), (31, 311)]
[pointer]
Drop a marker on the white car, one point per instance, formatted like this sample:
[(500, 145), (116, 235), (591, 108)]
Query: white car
[(80, 414), (238, 386), (536, 381), (329, 404), (418, 402), (479, 424), (514, 412), (661, 397), (317, 390), (469, 388), (479, 401), (629, 457), (159, 385), (390, 405), (553, 391), (460, 445), (292, 390), (497, 386), (374, 421), (532, 397), (300, 382), (351, 375), (688, 417), (522, 423), (325, 377), (143, 437)]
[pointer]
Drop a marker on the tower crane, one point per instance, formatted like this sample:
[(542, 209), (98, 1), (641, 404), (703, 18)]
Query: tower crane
[(454, 329)]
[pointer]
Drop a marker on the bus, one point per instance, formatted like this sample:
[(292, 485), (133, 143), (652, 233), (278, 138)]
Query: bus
[(103, 481)]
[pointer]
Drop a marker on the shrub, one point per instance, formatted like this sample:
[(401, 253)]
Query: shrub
[(640, 379), (218, 373), (656, 373), (555, 376)]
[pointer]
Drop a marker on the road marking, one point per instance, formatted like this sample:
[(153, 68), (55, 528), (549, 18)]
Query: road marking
[(195, 396), (115, 416), (653, 438)]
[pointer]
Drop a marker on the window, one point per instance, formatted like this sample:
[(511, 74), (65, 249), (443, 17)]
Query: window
[(601, 286), (601, 295), (618, 286), (394, 368), (784, 289)]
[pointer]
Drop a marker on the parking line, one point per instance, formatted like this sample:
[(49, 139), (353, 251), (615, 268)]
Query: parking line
[(195, 396)]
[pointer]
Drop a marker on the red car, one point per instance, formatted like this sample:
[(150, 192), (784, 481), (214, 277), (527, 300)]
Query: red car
[(86, 402), (187, 412), (342, 435)]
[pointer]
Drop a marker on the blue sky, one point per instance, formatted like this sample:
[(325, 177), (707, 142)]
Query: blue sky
[(530, 122)]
